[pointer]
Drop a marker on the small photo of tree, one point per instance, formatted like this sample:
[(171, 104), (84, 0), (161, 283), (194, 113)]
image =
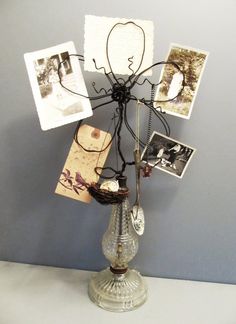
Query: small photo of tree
[(191, 62)]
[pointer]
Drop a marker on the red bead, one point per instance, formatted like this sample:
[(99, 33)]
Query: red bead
[(147, 170)]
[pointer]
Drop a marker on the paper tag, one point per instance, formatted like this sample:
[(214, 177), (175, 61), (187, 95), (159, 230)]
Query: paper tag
[(79, 166), (125, 47)]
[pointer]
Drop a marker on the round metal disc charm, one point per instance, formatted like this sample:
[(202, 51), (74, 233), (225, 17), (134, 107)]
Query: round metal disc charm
[(110, 185), (137, 218)]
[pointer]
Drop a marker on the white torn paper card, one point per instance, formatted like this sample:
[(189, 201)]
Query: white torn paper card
[(130, 43), (55, 105)]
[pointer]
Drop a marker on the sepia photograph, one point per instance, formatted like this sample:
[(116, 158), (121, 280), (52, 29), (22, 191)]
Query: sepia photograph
[(192, 63), (47, 73), (57, 106), (167, 154)]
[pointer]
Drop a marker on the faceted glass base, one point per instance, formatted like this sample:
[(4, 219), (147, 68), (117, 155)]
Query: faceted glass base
[(118, 292)]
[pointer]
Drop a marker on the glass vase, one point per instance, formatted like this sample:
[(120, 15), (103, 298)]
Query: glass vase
[(119, 288)]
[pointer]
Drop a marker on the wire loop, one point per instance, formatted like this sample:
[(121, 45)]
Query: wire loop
[(120, 92)]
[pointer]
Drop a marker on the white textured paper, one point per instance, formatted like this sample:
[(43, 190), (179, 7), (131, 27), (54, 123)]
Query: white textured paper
[(125, 41), (55, 105)]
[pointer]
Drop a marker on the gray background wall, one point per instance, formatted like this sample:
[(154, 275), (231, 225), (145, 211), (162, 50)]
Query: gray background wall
[(191, 223)]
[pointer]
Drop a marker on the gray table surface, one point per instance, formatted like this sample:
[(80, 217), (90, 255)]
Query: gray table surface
[(31, 294)]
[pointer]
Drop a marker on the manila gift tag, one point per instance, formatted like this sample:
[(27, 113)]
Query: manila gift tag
[(79, 166)]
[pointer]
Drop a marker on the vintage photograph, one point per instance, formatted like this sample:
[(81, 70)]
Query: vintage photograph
[(55, 105), (192, 63), (47, 73), (167, 154)]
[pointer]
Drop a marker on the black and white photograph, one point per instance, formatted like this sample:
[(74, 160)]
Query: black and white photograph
[(47, 73), (192, 63), (57, 106), (167, 154)]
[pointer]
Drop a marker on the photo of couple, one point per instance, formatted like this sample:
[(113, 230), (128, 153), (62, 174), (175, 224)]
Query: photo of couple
[(165, 153)]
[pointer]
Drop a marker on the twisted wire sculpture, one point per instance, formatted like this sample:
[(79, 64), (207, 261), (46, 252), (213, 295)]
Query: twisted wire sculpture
[(120, 92)]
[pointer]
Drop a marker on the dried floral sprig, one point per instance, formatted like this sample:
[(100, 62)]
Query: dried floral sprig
[(76, 183)]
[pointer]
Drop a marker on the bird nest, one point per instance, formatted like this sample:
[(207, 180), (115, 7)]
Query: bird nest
[(106, 197)]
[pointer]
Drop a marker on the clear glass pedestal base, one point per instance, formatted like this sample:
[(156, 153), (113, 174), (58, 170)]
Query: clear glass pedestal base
[(118, 292)]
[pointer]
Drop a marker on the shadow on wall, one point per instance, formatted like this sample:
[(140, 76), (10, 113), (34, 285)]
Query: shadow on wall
[(31, 163), (38, 226)]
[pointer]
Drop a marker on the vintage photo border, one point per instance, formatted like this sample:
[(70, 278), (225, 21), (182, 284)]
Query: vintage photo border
[(30, 58), (155, 105), (174, 140)]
